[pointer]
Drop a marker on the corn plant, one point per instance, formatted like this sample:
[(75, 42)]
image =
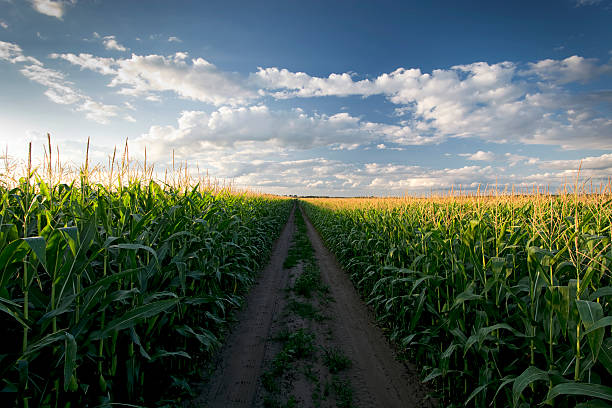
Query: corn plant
[(501, 301), (119, 293)]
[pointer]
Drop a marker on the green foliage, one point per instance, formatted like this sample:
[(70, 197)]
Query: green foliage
[(335, 360), (119, 296), (502, 302)]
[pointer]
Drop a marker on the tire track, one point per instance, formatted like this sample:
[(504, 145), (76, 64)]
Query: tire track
[(234, 382)]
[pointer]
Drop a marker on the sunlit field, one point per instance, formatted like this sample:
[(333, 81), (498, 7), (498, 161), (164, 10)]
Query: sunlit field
[(116, 287), (118, 282), (499, 300)]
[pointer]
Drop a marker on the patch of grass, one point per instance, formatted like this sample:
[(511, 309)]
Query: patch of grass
[(310, 373), (271, 402), (344, 392), (301, 249), (300, 344), (305, 310), (268, 380), (297, 345), (309, 281), (335, 360), (282, 336)]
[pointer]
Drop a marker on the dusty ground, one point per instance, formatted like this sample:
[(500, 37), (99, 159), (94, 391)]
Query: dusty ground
[(341, 323)]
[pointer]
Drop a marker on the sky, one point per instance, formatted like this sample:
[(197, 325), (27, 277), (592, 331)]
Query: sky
[(341, 98)]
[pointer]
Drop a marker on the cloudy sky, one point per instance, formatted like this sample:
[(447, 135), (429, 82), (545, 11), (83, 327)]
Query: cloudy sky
[(318, 97)]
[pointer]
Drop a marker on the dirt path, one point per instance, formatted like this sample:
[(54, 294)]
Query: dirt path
[(234, 383), (378, 378), (259, 365)]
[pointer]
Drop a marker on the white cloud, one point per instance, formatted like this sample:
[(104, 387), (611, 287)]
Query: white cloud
[(101, 65), (494, 102), (570, 69), (174, 39), (325, 176), (515, 159), (479, 156), (598, 163), (110, 43), (195, 79), (52, 8), (580, 3), (4, 24), (59, 89), (13, 53), (226, 127), (98, 112), (299, 84)]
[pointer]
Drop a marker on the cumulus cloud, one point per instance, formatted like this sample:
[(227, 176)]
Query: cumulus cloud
[(299, 84), (52, 8), (174, 39), (570, 69), (479, 156), (490, 101), (321, 175), (101, 65), (598, 163), (515, 159), (497, 102), (195, 79), (333, 177), (199, 131), (4, 24), (110, 43)]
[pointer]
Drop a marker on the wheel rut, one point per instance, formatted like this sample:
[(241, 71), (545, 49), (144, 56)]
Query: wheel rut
[(256, 369), (234, 382)]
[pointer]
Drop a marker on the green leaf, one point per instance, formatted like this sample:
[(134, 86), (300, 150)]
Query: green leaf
[(136, 315), (136, 247), (69, 358), (476, 391), (14, 314), (10, 254), (591, 312), (603, 322), (39, 246), (465, 296), (481, 335), (601, 292), (504, 381), (593, 404), (582, 389), (42, 343), (605, 354), (530, 375), (436, 372), (71, 234), (561, 305), (164, 354)]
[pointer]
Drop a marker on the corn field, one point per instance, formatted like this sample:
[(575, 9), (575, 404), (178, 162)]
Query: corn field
[(501, 301), (118, 294)]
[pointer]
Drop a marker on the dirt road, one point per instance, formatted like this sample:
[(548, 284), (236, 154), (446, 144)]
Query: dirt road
[(313, 347)]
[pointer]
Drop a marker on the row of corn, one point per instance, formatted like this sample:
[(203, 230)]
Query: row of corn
[(119, 295), (500, 301)]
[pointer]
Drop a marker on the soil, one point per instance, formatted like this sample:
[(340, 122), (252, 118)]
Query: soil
[(342, 322)]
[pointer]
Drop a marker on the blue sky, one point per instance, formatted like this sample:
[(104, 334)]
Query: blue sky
[(318, 97)]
